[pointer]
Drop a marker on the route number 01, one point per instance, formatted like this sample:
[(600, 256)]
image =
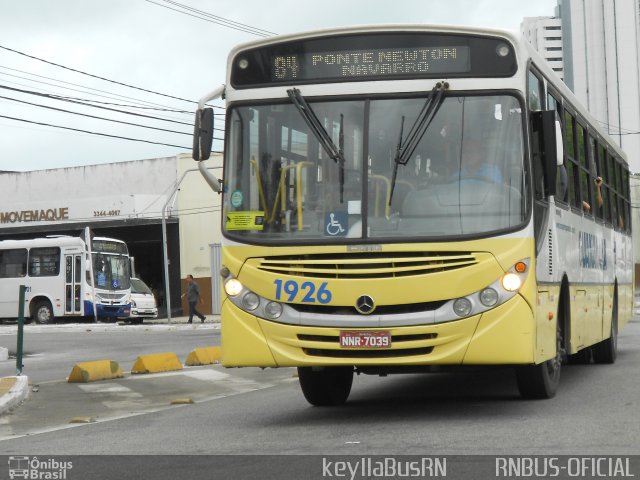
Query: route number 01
[(307, 290)]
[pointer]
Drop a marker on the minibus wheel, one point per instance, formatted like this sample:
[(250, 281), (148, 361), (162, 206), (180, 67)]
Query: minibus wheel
[(43, 313), (326, 386), (541, 381)]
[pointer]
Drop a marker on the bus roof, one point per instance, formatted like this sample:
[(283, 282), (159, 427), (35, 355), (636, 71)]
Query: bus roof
[(62, 241), (377, 28)]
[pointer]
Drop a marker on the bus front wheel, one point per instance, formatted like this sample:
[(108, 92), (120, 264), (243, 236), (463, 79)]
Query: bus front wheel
[(43, 313), (541, 381), (326, 386)]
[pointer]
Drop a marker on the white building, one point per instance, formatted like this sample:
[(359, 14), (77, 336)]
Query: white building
[(545, 34), (600, 44), (602, 65), (126, 200)]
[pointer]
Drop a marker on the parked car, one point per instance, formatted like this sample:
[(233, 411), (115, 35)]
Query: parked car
[(143, 302)]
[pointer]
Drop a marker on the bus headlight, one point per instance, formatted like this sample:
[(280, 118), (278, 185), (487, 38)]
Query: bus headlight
[(250, 301), (273, 310), (462, 307), (489, 297), (511, 282), (233, 287)]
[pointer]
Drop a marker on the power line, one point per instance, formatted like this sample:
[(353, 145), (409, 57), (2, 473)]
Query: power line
[(208, 17), (96, 133), (109, 94), (79, 102), (221, 19), (89, 88), (56, 97), (96, 76), (93, 116), (621, 131)]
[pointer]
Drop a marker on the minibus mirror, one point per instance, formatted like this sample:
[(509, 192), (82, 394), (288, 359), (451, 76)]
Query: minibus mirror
[(203, 134), (559, 143)]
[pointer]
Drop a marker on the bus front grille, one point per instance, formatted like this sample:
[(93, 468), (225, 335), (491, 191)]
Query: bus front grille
[(367, 265)]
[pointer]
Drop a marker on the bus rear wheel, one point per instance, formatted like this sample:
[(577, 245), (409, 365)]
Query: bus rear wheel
[(327, 386), (541, 381), (43, 313)]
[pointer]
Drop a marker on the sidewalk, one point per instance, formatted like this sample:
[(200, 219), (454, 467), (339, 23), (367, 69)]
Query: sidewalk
[(13, 390)]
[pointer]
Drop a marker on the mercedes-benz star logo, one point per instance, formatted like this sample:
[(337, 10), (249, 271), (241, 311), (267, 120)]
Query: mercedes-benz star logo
[(365, 304)]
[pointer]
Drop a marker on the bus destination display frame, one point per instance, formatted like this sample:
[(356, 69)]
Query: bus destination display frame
[(379, 56)]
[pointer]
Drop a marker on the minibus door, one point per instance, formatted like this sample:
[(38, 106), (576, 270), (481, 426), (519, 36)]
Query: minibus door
[(73, 284)]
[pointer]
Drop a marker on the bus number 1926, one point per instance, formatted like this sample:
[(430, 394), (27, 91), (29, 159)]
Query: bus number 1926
[(306, 292)]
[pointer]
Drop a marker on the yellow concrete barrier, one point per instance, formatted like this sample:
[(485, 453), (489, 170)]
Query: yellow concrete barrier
[(156, 362), (93, 371), (204, 356)]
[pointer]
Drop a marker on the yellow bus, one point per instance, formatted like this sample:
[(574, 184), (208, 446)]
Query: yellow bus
[(402, 198)]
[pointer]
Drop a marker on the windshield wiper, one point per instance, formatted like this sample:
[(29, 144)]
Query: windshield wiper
[(313, 122), (405, 150)]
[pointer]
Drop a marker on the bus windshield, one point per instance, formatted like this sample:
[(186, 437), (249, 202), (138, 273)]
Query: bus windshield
[(111, 272), (465, 175)]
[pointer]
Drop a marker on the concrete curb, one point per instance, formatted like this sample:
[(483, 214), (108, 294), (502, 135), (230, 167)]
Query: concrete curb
[(156, 362), (204, 356), (94, 371), (17, 393), (105, 327)]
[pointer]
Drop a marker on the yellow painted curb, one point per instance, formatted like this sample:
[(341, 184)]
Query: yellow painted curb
[(93, 371), (156, 362), (6, 384), (182, 401), (204, 356)]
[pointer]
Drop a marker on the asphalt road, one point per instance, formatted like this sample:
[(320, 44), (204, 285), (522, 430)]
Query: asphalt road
[(250, 411)]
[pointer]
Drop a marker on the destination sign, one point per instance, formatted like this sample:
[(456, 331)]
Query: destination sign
[(373, 56), (371, 63)]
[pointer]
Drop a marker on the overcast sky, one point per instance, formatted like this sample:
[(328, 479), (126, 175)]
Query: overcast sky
[(145, 44)]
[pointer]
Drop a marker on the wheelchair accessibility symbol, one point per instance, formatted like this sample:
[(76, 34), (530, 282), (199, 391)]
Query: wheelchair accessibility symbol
[(336, 224)]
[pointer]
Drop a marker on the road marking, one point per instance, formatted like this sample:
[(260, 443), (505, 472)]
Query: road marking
[(206, 375)]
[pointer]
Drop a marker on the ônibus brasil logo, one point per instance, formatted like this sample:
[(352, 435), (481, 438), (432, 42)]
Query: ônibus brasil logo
[(36, 469)]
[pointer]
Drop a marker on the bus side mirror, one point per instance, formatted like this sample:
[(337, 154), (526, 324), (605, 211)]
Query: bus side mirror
[(203, 134), (551, 152)]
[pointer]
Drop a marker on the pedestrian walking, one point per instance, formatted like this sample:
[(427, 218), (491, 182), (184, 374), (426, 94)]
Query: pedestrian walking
[(193, 298)]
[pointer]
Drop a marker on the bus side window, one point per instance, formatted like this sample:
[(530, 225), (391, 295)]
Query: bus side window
[(573, 173), (44, 262), (13, 263), (586, 190), (535, 97)]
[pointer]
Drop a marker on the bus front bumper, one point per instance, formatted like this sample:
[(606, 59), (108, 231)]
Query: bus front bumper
[(108, 310), (504, 335)]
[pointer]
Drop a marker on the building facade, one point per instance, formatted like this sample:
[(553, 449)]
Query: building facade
[(600, 45), (545, 34), (602, 65), (130, 201)]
